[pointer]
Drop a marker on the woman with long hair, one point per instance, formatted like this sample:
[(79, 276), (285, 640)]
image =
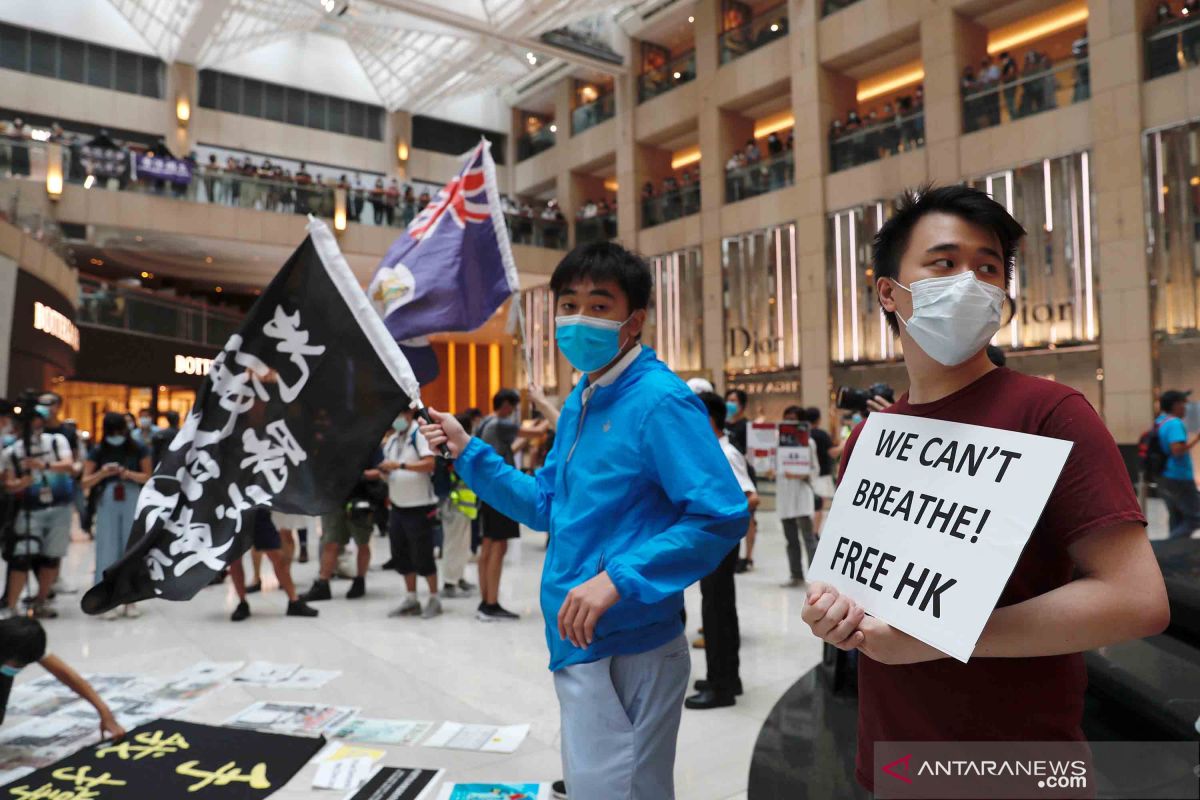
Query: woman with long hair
[(116, 468)]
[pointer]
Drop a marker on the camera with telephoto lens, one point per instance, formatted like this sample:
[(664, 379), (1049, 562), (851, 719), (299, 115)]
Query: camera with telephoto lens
[(851, 399)]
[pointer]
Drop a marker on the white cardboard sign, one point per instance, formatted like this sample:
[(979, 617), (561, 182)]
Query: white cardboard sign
[(930, 519)]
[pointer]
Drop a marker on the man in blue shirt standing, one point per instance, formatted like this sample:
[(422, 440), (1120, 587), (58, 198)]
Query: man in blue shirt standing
[(640, 503), (1177, 484)]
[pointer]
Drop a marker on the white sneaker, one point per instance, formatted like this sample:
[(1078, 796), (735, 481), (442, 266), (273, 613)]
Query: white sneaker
[(433, 608), (411, 607), (111, 614), (7, 613), (132, 611)]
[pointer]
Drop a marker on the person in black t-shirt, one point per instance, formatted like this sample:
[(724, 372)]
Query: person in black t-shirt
[(823, 485), (736, 427)]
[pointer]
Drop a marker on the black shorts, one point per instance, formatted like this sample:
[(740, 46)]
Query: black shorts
[(410, 531), (266, 535), (497, 526), (819, 502)]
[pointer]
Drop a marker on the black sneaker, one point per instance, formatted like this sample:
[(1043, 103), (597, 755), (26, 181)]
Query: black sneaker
[(357, 589), (495, 613), (241, 612), (559, 790), (702, 686), (387, 565), (318, 591), (303, 554), (254, 587), (298, 608)]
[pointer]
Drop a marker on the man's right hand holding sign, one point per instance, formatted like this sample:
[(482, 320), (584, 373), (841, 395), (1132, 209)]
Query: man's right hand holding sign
[(987, 533)]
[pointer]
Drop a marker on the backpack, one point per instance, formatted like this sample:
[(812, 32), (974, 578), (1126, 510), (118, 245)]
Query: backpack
[(1151, 454)]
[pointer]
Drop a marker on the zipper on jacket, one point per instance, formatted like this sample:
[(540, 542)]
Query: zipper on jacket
[(578, 433)]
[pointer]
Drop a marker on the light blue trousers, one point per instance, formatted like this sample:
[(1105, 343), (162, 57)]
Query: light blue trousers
[(620, 723), (114, 521)]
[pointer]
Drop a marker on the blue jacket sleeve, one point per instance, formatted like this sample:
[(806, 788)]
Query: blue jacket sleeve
[(525, 498), (683, 456)]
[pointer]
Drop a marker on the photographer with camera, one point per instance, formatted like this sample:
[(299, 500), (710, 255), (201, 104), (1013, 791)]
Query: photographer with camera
[(37, 468), (114, 473)]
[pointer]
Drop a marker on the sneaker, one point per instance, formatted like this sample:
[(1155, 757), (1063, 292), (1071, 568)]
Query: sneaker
[(111, 614), (254, 588), (318, 591), (298, 608), (465, 585), (357, 589), (7, 613), (132, 611), (411, 607), (433, 608), (303, 554), (495, 613), (558, 790), (44, 611), (390, 564), (744, 565), (452, 591), (241, 612), (503, 612)]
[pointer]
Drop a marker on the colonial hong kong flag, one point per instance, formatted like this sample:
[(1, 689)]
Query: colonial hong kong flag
[(453, 266)]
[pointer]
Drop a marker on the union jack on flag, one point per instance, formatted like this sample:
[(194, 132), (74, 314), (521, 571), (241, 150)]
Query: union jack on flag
[(438, 278)]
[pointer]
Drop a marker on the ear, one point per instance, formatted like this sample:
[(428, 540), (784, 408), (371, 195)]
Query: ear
[(885, 289), (637, 321)]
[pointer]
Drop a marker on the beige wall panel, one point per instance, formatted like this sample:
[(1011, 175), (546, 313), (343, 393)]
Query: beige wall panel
[(863, 23), (654, 117), (751, 74)]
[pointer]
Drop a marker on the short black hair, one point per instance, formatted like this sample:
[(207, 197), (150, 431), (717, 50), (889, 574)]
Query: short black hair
[(606, 261), (964, 202), (22, 640), (715, 405), (814, 414), (172, 419), (799, 413), (505, 397), (740, 394)]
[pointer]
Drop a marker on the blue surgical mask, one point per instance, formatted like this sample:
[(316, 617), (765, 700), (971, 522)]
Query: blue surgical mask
[(400, 425), (42, 411), (589, 343), (731, 409), (115, 441), (10, 672)]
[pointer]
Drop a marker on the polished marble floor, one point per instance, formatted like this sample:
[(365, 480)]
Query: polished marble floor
[(449, 668)]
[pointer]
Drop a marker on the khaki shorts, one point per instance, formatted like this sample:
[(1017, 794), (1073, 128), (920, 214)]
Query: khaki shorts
[(339, 528)]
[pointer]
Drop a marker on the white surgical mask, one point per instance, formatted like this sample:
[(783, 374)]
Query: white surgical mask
[(954, 316)]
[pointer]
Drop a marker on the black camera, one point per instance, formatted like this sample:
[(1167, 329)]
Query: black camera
[(851, 399)]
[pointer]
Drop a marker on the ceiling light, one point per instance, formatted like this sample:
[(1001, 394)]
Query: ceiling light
[(137, 238), (208, 259), (1195, 181), (219, 290), (775, 27), (89, 181), (691, 19), (1038, 26), (554, 129), (96, 262), (145, 274)]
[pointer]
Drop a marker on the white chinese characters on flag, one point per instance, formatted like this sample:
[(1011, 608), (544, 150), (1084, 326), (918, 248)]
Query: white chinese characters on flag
[(288, 417)]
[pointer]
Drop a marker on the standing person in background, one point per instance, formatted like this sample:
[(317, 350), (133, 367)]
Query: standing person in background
[(37, 468), (354, 520), (458, 510), (391, 200), (737, 428), (499, 432), (266, 541), (143, 434), (1177, 484), (117, 468), (796, 502), (408, 464), (377, 197), (718, 606), (823, 484), (164, 436)]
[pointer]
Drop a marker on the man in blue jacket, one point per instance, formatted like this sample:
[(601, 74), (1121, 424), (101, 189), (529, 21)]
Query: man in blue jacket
[(640, 503)]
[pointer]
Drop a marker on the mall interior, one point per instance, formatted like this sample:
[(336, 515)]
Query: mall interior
[(159, 159)]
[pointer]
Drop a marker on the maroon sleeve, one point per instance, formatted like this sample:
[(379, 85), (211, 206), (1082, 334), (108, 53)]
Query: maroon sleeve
[(1094, 491)]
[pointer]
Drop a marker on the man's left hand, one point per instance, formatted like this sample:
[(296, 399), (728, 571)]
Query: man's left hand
[(110, 726), (584, 606), (888, 645)]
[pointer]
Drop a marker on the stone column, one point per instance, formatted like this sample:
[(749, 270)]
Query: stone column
[(628, 185), (397, 130), (1119, 252), (948, 43), (182, 86), (712, 187)]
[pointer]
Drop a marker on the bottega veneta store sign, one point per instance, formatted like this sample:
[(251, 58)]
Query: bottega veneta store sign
[(56, 324)]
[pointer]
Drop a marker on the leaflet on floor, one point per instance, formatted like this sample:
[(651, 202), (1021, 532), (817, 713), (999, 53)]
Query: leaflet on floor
[(343, 774), (383, 731), (340, 751), (399, 783), (40, 738), (484, 738), (264, 673), (307, 719), (307, 679), (495, 791), (199, 679)]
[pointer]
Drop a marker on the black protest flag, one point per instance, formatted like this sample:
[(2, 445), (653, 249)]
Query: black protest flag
[(288, 417)]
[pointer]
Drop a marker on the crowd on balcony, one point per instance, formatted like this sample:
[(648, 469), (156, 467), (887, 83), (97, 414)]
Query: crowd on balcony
[(541, 225), (678, 197), (893, 128), (749, 172), (1173, 39), (1001, 85)]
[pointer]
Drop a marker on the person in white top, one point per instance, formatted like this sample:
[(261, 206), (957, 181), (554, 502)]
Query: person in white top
[(795, 500), (408, 463)]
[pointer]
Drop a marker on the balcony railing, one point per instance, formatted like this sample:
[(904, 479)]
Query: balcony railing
[(529, 145), (832, 6), (765, 28), (593, 113), (536, 231), (1172, 47), (767, 175), (899, 135), (672, 205), (595, 229), (675, 72), (1062, 84), (151, 314)]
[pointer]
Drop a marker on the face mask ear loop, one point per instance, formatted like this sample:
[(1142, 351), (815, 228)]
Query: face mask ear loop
[(897, 311)]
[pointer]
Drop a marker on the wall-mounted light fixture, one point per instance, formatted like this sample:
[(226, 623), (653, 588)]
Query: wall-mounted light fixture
[(54, 171), (339, 209), (183, 110), (402, 151)]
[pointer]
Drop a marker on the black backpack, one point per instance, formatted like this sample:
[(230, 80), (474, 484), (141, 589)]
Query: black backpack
[(1151, 454)]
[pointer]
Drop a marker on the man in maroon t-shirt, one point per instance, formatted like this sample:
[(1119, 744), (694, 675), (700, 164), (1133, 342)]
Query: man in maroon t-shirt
[(1087, 577)]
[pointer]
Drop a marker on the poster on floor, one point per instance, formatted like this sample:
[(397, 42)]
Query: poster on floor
[(301, 719), (173, 760), (930, 519), (383, 731), (199, 679), (484, 738), (399, 783), (495, 791)]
